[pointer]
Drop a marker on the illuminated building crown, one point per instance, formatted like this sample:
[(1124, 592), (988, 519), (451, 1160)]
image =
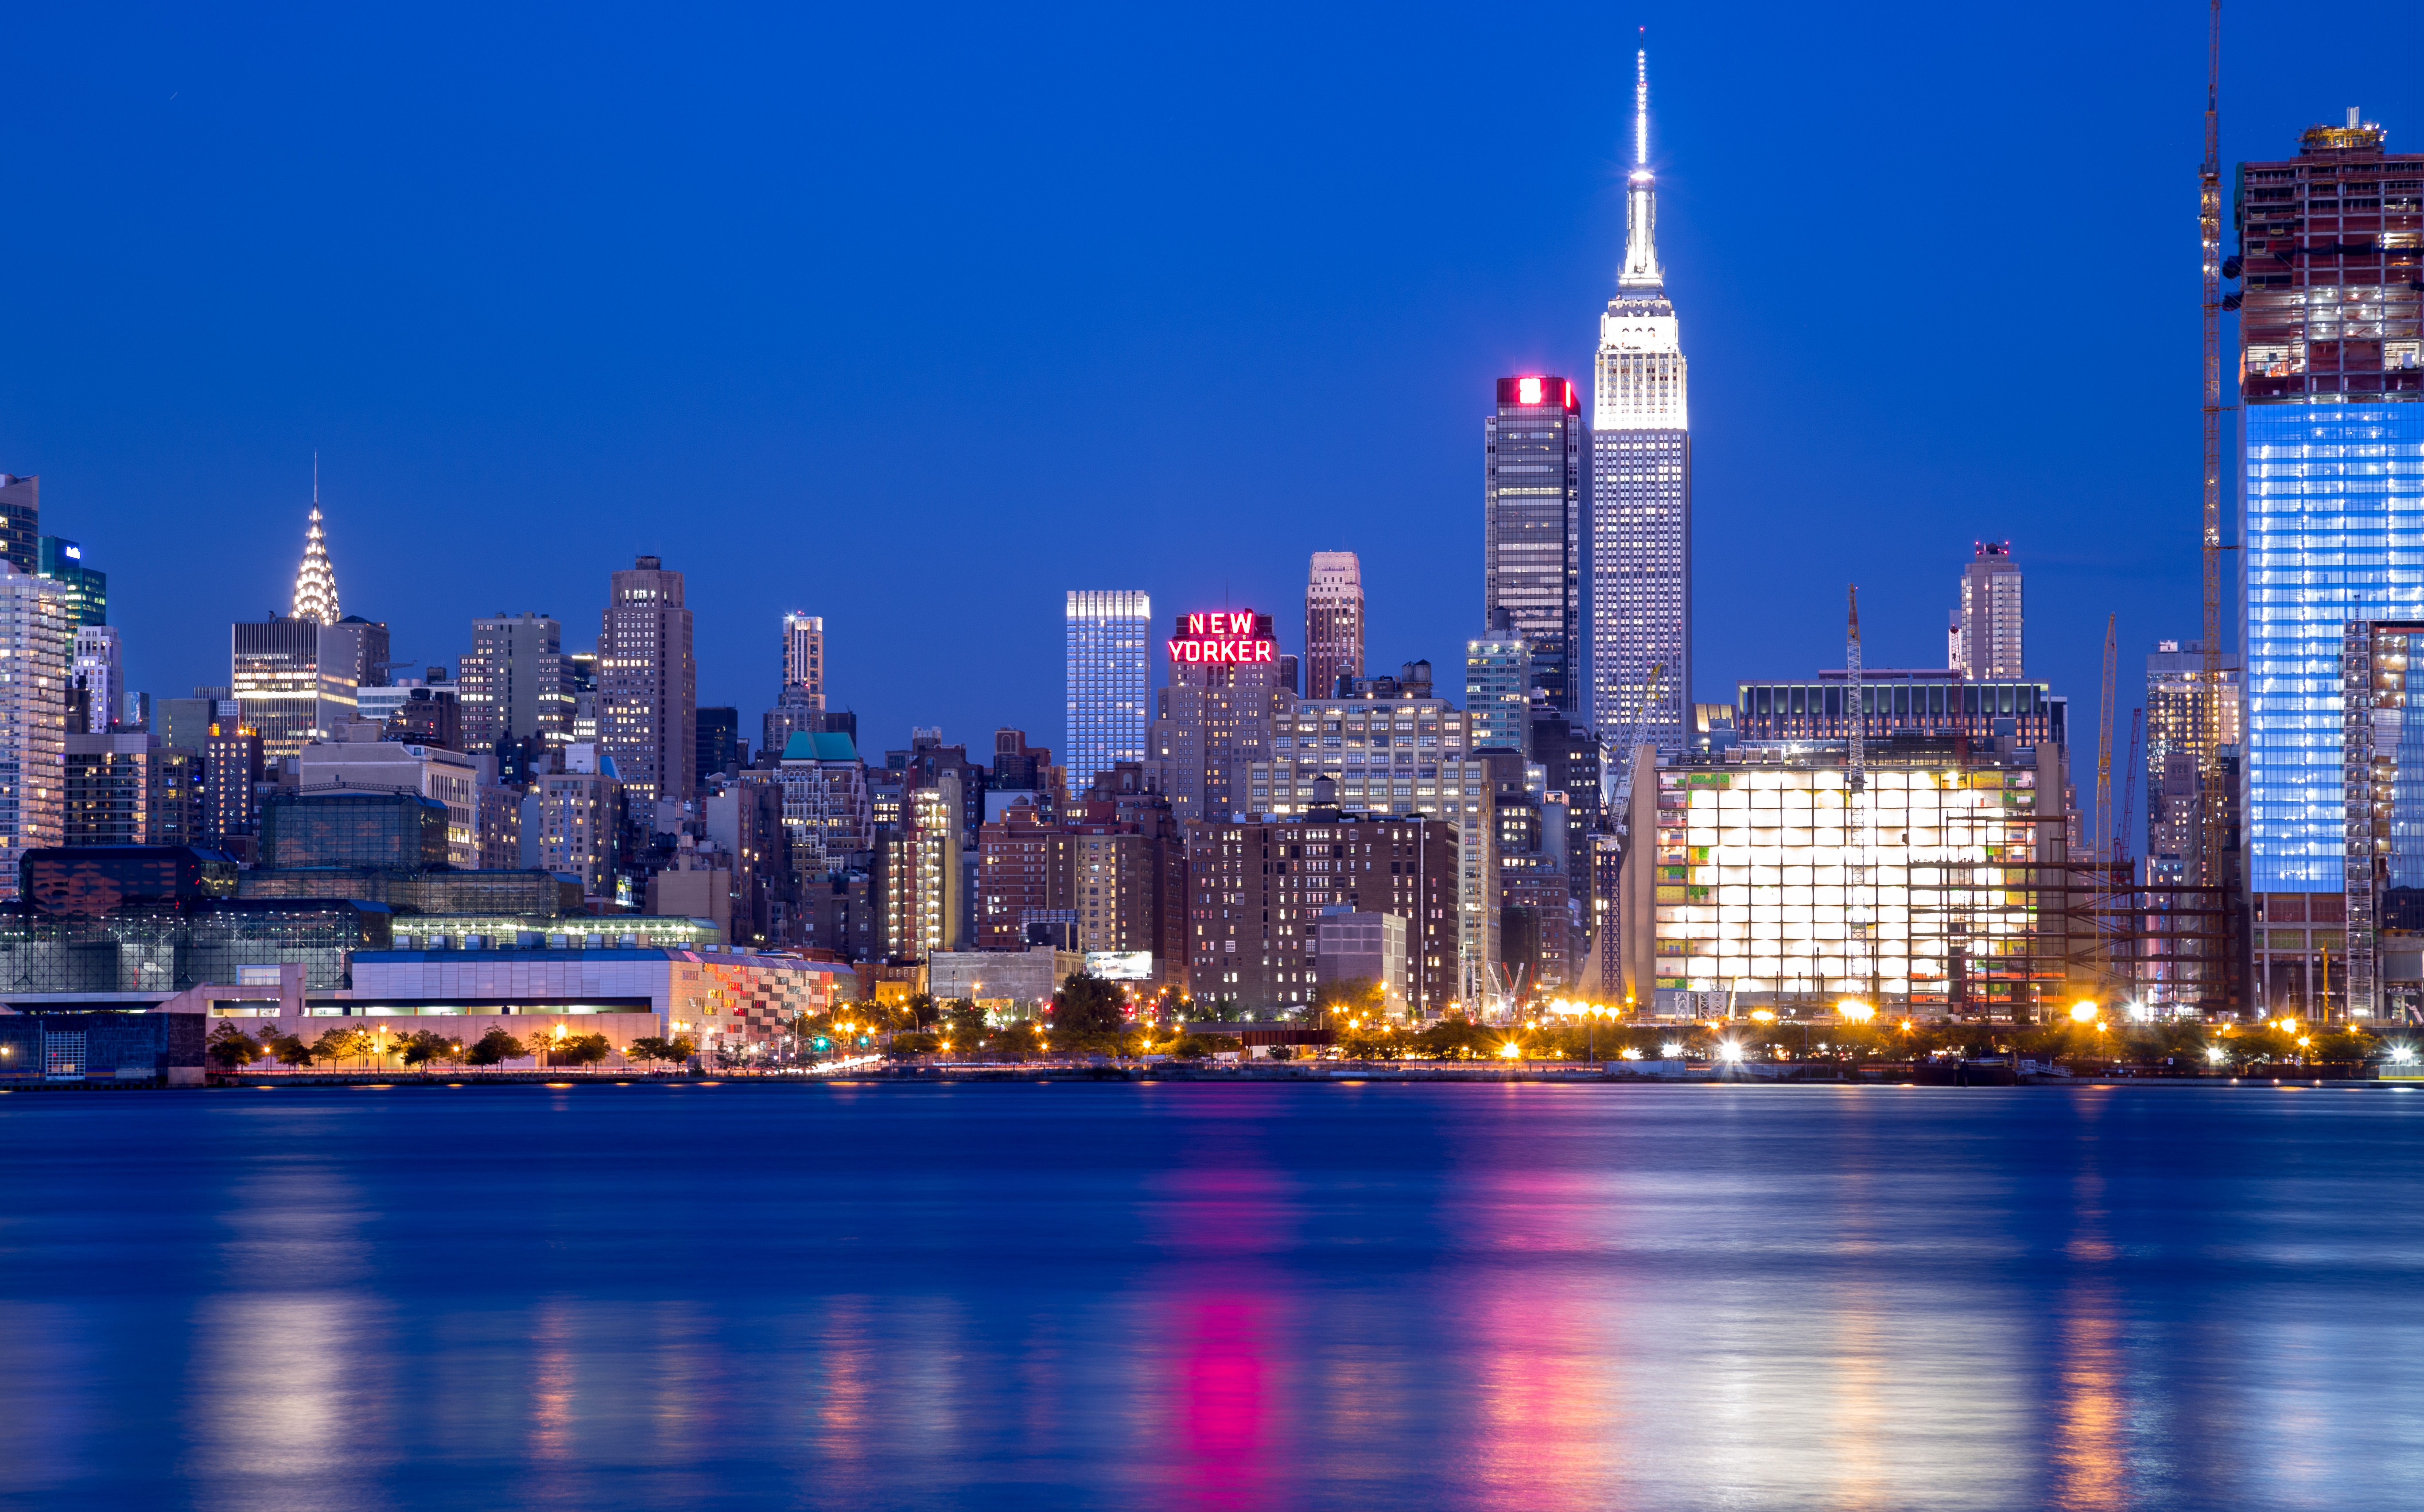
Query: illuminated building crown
[(315, 582)]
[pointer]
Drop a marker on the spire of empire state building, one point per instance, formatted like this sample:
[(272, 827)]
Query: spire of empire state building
[(315, 582), (1641, 270), (1639, 602)]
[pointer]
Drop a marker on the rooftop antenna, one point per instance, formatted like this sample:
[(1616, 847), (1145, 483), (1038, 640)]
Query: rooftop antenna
[(1641, 102)]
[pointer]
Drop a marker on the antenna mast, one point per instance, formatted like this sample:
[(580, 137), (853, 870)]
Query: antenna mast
[(2210, 859)]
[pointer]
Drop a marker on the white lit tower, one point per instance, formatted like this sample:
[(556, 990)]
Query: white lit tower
[(1640, 550), (315, 582)]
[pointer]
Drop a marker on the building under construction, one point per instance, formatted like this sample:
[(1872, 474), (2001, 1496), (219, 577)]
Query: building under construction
[(2331, 251)]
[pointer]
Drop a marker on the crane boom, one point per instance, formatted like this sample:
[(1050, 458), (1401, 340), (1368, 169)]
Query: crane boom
[(2128, 790), (2209, 228), (2096, 841), (1617, 794)]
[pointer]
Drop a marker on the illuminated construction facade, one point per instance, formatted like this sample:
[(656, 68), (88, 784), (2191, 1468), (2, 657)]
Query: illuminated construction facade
[(1766, 882), (1898, 701), (2331, 370)]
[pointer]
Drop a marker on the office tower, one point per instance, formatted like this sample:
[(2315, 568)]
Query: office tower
[(88, 586), (516, 684), (99, 675), (1640, 552), (1533, 506), (1110, 679), (1254, 938), (1216, 715), (647, 684), (33, 716), (2177, 713), (719, 742), (1333, 622), (355, 651), (2331, 370), (804, 657), (315, 580), (20, 521), (290, 695), (232, 766), (1498, 685), (1986, 638)]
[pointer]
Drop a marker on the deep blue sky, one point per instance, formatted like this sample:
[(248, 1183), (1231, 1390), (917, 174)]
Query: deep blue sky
[(917, 318)]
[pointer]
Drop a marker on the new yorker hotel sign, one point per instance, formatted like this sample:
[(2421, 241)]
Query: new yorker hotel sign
[(1231, 639)]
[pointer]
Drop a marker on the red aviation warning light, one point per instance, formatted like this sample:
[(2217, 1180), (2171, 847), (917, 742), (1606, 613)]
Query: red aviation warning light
[(1532, 390)]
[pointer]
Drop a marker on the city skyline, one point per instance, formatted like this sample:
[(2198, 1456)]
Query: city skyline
[(156, 506)]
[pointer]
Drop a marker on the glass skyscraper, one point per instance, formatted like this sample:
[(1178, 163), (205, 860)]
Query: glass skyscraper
[(1640, 549), (1532, 510), (1111, 679), (2331, 370)]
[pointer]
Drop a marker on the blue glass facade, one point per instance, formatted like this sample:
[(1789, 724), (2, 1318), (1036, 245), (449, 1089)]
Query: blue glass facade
[(2334, 533)]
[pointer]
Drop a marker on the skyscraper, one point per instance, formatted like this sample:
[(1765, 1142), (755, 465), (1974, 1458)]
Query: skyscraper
[(1111, 679), (647, 684), (289, 695), (803, 658), (1987, 640), (315, 580), (33, 717), (1532, 512), (2331, 370), (516, 683), (1333, 622), (1640, 552), (88, 586)]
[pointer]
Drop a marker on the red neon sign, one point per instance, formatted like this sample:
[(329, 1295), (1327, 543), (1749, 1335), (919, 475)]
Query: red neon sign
[(1228, 639)]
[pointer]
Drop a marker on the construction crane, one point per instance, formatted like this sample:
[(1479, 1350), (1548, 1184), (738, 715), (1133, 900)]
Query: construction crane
[(2095, 843), (1617, 780), (2209, 227), (1860, 922)]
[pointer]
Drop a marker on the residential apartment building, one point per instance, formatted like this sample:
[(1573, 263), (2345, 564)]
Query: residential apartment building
[(34, 641), (1257, 892)]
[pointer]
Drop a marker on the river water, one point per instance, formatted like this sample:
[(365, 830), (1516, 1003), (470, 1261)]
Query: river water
[(1195, 1296)]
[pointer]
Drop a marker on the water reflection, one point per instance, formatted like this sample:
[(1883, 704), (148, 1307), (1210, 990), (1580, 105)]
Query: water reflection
[(1218, 1298)]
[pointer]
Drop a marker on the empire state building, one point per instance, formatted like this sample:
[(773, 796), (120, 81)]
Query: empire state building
[(1640, 552)]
